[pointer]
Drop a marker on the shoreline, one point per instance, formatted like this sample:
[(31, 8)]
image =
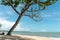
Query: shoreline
[(37, 37)]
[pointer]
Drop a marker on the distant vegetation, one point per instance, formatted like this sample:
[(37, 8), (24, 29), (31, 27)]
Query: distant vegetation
[(0, 25)]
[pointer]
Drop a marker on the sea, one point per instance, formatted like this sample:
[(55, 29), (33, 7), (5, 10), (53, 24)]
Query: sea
[(40, 34)]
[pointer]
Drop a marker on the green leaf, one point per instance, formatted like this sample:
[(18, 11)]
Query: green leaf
[(35, 1), (16, 2), (0, 25), (53, 1), (27, 1)]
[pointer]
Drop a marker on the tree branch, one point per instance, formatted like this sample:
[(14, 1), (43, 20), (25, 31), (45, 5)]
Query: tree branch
[(13, 7), (33, 16), (25, 8)]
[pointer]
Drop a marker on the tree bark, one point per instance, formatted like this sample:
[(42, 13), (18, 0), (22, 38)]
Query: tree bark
[(14, 26)]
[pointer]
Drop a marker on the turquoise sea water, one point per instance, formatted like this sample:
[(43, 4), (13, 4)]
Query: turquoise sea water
[(41, 34)]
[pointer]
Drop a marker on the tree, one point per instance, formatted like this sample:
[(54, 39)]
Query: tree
[(28, 7), (0, 25)]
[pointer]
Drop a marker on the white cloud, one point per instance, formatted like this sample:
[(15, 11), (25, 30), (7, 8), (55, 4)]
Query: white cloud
[(43, 30), (56, 13), (9, 13), (45, 15), (58, 19), (1, 14), (6, 25)]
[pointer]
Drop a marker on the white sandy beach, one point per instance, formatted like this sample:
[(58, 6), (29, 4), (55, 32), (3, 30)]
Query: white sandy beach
[(38, 38)]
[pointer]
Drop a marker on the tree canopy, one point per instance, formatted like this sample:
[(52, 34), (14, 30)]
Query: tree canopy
[(41, 6), (28, 9), (0, 25), (15, 3)]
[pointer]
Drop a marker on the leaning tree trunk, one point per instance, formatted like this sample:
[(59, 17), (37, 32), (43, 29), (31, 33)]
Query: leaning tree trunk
[(14, 26), (17, 21)]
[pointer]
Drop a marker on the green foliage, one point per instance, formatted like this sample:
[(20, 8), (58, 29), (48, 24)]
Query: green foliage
[(17, 2), (35, 1), (0, 25), (4, 2), (47, 3)]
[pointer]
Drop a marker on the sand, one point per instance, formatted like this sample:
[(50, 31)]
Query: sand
[(38, 38), (25, 37)]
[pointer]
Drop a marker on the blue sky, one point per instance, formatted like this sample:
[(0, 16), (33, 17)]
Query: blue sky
[(50, 19)]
